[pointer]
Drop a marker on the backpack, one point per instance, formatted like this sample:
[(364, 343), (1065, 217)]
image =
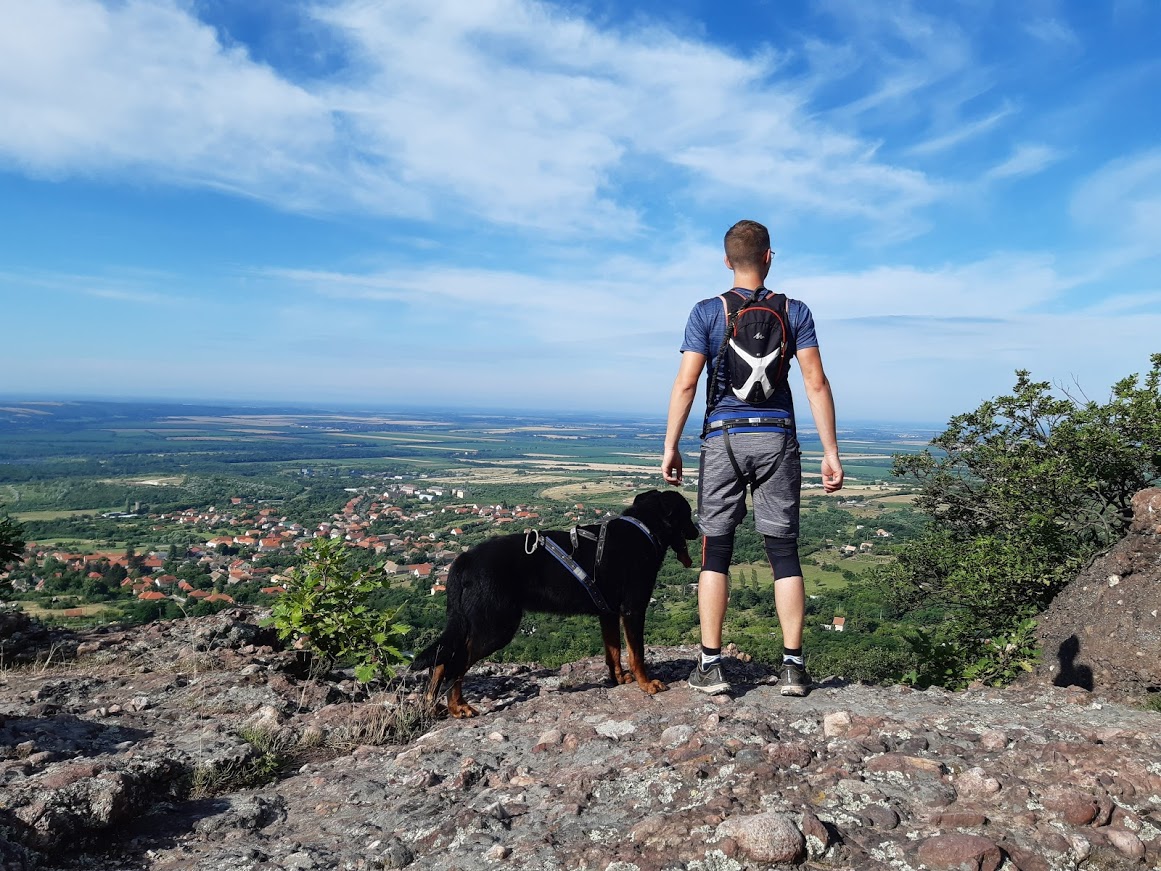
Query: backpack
[(756, 348)]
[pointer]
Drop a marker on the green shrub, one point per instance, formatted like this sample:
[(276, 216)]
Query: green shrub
[(954, 663), (327, 610), (878, 665)]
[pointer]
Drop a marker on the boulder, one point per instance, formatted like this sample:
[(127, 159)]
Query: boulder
[(1103, 631)]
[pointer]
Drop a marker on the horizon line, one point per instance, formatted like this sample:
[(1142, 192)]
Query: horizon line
[(369, 407)]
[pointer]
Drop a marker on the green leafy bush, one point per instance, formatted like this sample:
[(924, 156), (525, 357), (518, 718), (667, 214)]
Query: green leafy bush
[(955, 664), (327, 610), (871, 664), (1043, 468)]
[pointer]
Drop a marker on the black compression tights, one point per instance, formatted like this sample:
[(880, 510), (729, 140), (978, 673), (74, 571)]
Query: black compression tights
[(718, 550), (783, 556)]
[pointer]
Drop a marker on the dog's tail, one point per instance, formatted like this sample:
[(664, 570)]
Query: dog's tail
[(440, 651), (443, 650)]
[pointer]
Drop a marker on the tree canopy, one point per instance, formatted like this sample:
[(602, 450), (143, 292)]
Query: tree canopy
[(11, 540), (1019, 493)]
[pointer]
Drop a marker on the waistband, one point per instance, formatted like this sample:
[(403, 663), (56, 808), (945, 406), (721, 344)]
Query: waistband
[(750, 424), (763, 414)]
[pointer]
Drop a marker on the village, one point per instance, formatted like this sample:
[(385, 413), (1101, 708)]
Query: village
[(240, 552)]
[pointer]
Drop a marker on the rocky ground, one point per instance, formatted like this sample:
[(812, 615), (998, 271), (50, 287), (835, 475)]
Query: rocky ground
[(195, 745)]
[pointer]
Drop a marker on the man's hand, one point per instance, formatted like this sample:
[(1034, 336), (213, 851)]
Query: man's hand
[(680, 401), (832, 473), (671, 466)]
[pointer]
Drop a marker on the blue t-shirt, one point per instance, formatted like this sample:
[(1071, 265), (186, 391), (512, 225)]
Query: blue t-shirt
[(704, 332)]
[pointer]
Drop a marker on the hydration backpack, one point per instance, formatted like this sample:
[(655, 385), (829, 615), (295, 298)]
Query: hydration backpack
[(756, 350)]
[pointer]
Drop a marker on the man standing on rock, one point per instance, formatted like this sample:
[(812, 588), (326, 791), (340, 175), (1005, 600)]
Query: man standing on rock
[(746, 337)]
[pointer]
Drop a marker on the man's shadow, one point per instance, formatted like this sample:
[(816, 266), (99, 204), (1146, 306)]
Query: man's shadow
[(1071, 673)]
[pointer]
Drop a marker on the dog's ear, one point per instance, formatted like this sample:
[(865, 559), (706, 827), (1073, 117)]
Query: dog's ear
[(677, 514), (649, 500)]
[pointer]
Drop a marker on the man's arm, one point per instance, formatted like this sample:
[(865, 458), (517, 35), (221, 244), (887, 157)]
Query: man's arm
[(822, 407), (680, 402)]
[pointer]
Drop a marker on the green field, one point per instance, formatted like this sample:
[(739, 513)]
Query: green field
[(59, 513), (34, 609), (816, 578)]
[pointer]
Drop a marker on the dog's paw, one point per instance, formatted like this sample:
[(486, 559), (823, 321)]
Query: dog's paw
[(653, 687), (463, 712), (625, 677)]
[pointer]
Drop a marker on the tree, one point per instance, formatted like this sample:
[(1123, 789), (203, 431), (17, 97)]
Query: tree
[(1020, 493), (1044, 468), (327, 608), (11, 540)]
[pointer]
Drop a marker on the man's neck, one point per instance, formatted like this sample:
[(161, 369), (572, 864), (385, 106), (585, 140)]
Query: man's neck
[(748, 280)]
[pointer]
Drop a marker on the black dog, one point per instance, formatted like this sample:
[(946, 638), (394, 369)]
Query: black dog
[(490, 586)]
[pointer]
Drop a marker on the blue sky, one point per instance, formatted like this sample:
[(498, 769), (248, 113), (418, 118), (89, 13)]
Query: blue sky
[(503, 203)]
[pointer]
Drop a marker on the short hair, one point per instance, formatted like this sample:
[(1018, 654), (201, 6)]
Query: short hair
[(746, 245)]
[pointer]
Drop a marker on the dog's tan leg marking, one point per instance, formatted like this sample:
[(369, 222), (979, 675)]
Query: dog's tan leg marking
[(635, 642), (611, 635), (456, 706)]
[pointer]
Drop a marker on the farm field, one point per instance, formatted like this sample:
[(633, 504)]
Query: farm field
[(64, 461), (57, 515), (34, 609)]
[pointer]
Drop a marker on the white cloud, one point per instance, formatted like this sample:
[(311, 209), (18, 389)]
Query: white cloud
[(510, 111), (1026, 159), (1052, 31), (133, 286), (906, 56), (1122, 201), (999, 287), (143, 89), (614, 304), (530, 115), (961, 134), (899, 342)]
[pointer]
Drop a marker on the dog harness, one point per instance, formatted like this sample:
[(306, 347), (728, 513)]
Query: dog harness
[(533, 539)]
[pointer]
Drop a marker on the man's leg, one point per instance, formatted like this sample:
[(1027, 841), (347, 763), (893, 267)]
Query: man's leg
[(790, 600), (721, 505), (789, 589), (777, 502), (713, 594)]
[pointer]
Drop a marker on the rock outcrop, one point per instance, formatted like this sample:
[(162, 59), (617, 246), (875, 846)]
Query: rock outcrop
[(195, 745), (1103, 632)]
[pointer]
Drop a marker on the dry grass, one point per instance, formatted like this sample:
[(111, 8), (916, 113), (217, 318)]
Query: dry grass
[(269, 754), (276, 751), (402, 718)]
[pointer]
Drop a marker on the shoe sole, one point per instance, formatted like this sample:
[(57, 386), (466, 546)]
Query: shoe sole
[(711, 689), (797, 691)]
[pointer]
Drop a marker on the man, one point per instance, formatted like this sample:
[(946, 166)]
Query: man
[(749, 443)]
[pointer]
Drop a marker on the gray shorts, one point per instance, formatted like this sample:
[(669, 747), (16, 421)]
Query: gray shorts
[(771, 459)]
